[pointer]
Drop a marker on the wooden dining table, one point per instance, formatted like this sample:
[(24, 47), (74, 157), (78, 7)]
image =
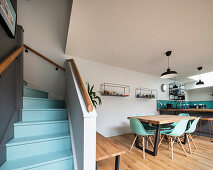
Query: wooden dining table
[(159, 120)]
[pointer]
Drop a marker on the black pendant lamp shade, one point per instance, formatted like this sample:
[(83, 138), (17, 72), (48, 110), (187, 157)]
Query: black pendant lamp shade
[(169, 73), (199, 82), (175, 87)]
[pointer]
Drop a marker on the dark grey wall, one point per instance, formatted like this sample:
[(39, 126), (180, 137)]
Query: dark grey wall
[(10, 86)]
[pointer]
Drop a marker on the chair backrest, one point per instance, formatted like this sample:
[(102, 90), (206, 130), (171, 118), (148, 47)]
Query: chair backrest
[(183, 114), (180, 114), (180, 128), (137, 127), (193, 126), (151, 114)]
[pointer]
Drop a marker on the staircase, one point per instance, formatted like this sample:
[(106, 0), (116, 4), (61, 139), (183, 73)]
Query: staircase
[(42, 139)]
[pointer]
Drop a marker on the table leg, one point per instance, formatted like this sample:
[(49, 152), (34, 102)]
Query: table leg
[(117, 162), (96, 165), (157, 139)]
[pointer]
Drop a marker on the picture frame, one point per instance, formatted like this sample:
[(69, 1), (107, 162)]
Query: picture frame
[(8, 17)]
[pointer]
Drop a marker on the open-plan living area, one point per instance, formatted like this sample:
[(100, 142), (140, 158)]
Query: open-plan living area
[(106, 85)]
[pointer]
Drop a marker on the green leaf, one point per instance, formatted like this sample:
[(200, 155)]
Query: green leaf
[(94, 103), (88, 87), (91, 90), (99, 99)]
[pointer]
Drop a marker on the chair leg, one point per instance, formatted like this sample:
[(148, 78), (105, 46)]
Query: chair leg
[(190, 150), (143, 145), (192, 141), (182, 146), (151, 141), (169, 139), (171, 142), (147, 142), (133, 142), (161, 140)]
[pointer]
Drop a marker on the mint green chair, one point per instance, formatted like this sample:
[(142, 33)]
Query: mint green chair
[(147, 126), (175, 133), (188, 132), (181, 114), (139, 130)]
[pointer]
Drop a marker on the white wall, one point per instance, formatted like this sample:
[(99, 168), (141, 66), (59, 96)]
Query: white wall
[(45, 26), (113, 113), (201, 94)]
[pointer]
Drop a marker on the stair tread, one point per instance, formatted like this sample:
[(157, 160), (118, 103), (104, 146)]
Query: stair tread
[(33, 139), (35, 98), (27, 87), (24, 123), (39, 160)]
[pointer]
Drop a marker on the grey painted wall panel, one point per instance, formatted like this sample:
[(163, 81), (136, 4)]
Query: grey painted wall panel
[(10, 86), (77, 120)]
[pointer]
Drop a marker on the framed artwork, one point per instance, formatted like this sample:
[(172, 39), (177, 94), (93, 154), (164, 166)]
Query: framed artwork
[(8, 17)]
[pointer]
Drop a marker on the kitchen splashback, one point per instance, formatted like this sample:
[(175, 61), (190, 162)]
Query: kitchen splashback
[(161, 104)]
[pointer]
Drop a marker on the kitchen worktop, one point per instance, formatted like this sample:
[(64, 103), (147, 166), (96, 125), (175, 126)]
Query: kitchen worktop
[(187, 110)]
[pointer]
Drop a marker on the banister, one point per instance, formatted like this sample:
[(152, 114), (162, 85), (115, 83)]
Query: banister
[(82, 87), (5, 63), (42, 56)]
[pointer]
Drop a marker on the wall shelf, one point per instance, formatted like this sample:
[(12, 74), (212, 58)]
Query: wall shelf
[(177, 93), (146, 93), (110, 89)]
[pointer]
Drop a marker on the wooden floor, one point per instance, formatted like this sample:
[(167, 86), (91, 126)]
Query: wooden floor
[(200, 159)]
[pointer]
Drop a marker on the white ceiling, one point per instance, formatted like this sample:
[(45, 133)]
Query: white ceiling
[(135, 34)]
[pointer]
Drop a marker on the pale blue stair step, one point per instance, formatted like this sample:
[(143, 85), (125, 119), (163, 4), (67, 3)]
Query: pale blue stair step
[(62, 160), (30, 146), (35, 128), (31, 92), (44, 114), (41, 103)]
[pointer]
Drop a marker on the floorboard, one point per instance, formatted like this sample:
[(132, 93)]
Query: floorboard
[(200, 159)]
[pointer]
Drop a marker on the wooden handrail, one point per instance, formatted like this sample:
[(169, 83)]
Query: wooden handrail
[(82, 87), (4, 64), (42, 56)]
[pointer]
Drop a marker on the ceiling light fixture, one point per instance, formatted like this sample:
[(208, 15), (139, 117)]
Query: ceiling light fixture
[(200, 82), (168, 74)]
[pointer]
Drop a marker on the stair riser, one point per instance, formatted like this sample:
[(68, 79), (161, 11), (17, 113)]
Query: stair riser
[(63, 165), (33, 149), (42, 115), (40, 129), (42, 104), (34, 93)]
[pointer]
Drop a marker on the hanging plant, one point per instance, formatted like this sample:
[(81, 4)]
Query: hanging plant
[(96, 100)]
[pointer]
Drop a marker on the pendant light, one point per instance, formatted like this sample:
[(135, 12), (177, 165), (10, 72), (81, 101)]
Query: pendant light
[(168, 73), (175, 85), (200, 82)]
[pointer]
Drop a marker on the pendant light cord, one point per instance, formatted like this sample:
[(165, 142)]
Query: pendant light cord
[(199, 76), (168, 62)]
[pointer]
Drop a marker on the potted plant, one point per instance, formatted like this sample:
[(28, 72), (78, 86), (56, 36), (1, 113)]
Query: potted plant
[(96, 100)]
